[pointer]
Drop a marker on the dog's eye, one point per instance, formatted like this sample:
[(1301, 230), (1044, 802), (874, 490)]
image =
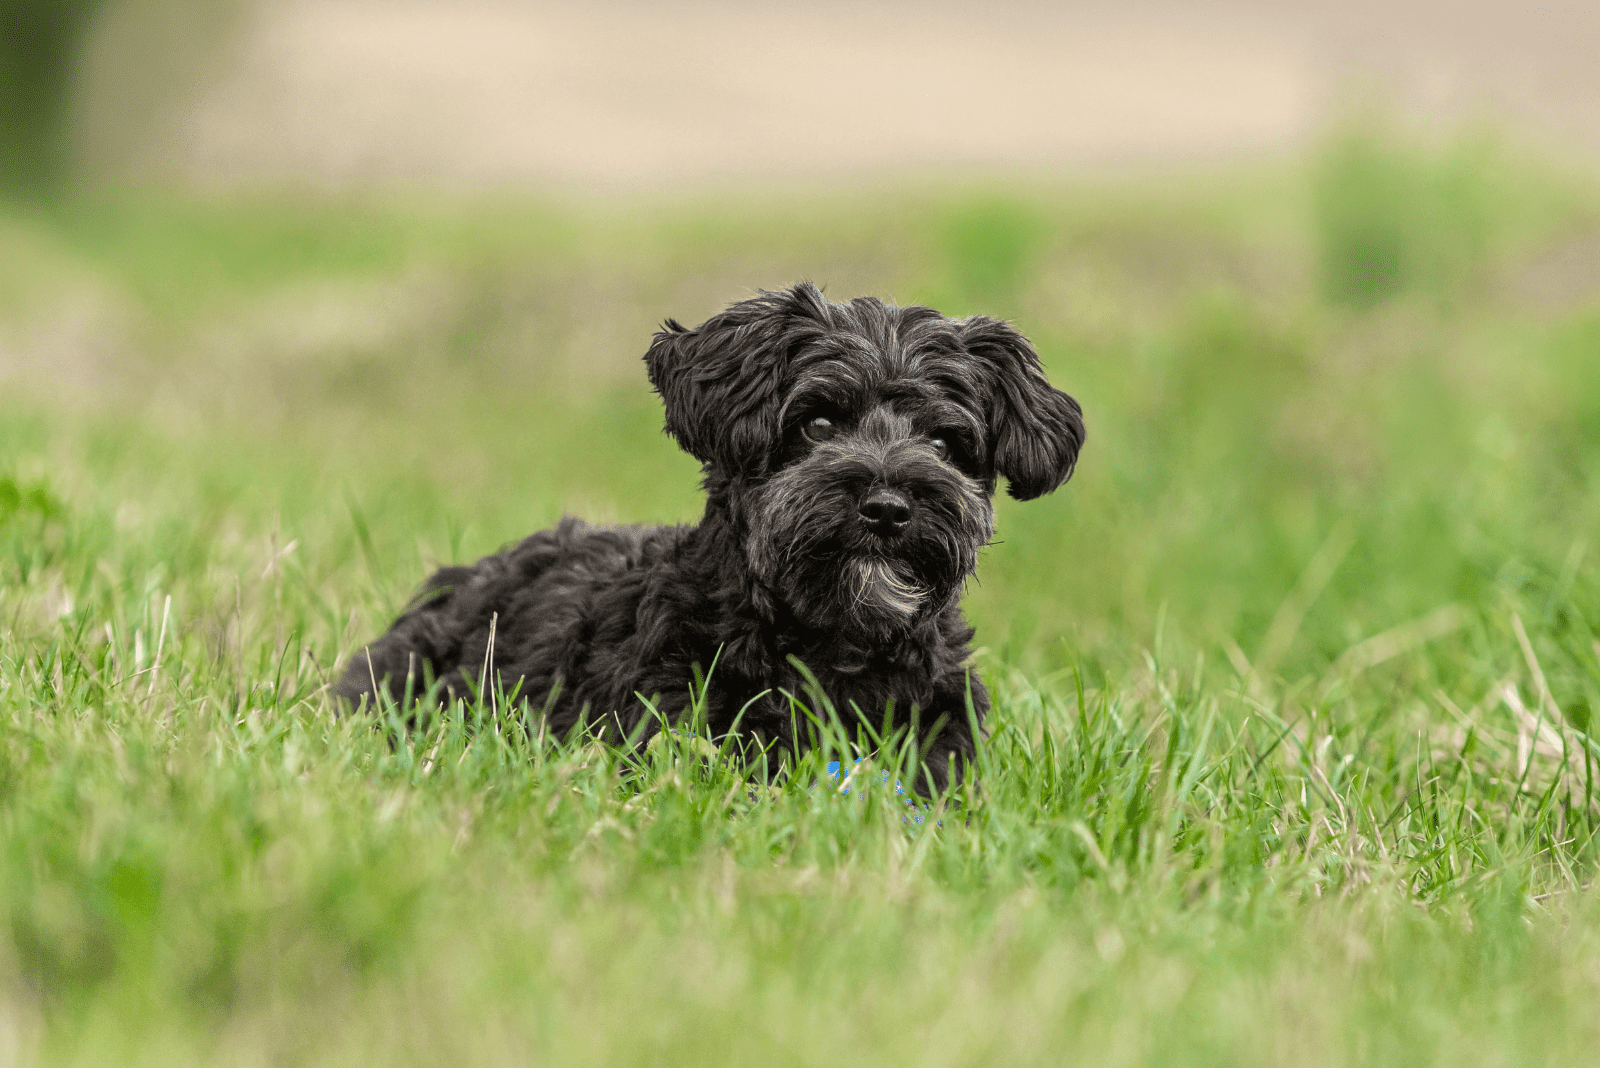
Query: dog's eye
[(941, 447), (819, 428)]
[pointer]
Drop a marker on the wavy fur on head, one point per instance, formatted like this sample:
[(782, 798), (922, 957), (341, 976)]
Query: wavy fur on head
[(851, 453)]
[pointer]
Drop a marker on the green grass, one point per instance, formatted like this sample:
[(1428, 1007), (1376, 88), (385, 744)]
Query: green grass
[(1289, 761)]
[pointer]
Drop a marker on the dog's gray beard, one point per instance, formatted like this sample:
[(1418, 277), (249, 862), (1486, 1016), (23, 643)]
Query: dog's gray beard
[(877, 587)]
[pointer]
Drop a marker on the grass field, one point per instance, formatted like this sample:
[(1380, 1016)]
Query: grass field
[(1293, 680)]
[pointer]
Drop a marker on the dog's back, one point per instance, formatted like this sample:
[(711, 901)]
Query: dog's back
[(520, 620)]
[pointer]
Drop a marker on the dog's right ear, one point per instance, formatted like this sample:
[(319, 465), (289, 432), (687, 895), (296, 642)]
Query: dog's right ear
[(721, 381)]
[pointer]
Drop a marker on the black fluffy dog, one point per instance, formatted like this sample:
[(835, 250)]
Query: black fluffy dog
[(850, 455)]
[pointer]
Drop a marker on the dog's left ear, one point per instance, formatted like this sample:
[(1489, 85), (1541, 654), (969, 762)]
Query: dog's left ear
[(720, 382), (1037, 430)]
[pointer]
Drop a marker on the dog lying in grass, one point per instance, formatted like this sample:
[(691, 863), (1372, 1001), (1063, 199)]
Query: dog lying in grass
[(850, 453)]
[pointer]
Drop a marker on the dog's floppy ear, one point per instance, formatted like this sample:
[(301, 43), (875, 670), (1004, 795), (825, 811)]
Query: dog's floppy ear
[(720, 381), (1036, 429)]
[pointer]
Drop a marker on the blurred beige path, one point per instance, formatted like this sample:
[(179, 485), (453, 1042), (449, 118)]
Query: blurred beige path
[(494, 92)]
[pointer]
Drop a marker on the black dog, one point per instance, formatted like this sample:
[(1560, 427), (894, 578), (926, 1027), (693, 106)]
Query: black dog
[(850, 454)]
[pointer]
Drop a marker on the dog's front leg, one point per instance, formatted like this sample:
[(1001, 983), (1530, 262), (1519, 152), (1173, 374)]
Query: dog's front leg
[(947, 757), (949, 752)]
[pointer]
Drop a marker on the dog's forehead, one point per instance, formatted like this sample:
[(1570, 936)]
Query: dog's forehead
[(891, 353)]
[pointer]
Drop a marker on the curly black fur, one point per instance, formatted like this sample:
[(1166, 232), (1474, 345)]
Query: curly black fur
[(850, 454)]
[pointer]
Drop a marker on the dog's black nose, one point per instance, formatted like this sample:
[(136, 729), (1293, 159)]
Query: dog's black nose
[(885, 512)]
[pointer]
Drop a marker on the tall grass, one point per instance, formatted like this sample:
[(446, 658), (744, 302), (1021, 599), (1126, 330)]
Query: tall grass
[(1289, 761)]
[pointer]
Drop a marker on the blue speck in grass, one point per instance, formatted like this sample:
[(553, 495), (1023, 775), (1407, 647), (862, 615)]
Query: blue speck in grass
[(913, 816)]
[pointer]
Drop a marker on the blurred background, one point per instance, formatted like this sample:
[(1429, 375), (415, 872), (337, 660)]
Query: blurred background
[(374, 276), (478, 94), (475, 94)]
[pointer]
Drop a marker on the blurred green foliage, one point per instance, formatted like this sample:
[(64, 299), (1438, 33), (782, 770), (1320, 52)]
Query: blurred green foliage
[(990, 246), (1393, 218), (21, 499), (40, 43)]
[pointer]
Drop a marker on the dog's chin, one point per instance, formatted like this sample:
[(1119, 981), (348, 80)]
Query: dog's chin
[(882, 595), (865, 597)]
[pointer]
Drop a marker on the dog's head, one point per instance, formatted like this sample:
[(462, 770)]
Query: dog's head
[(859, 444)]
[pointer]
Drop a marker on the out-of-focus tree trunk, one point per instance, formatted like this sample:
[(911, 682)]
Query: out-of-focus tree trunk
[(40, 44)]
